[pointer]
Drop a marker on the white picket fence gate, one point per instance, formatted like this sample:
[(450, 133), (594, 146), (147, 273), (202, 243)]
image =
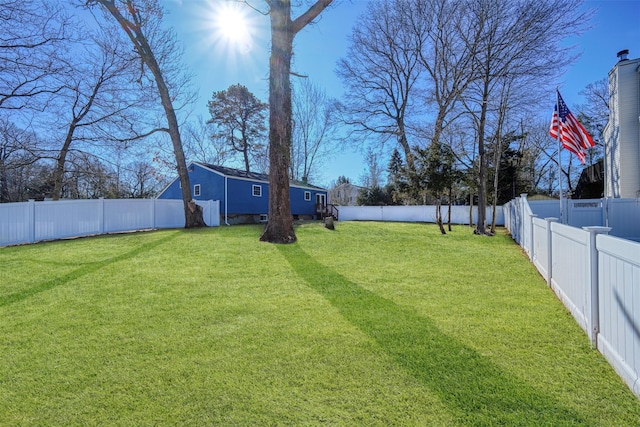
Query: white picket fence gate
[(30, 222), (595, 275)]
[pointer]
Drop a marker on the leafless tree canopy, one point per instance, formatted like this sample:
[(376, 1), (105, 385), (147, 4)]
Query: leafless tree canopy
[(314, 127), (381, 71), (416, 67), (157, 49), (32, 41)]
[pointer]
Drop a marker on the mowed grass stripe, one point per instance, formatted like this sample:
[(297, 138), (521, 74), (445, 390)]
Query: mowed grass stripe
[(373, 324)]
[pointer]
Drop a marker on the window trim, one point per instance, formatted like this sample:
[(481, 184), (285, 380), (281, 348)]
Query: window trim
[(255, 187), (307, 196), (197, 190)]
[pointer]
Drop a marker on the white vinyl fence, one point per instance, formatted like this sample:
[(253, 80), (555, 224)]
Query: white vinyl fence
[(30, 222), (459, 214), (622, 215), (595, 275)]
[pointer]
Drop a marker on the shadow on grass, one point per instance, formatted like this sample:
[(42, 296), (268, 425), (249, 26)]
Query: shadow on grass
[(87, 268), (476, 390)]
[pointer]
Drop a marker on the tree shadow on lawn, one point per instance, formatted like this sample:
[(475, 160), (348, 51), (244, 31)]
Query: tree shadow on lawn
[(476, 390), (85, 269)]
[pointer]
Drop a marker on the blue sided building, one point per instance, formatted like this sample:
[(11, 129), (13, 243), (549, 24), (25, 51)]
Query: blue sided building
[(244, 196)]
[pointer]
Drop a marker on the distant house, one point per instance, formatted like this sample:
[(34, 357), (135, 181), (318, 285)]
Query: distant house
[(622, 132), (244, 197), (345, 194)]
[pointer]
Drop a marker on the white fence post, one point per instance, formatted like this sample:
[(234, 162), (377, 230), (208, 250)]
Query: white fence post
[(153, 214), (594, 319), (549, 253), (531, 231), (101, 215), (32, 221), (525, 222)]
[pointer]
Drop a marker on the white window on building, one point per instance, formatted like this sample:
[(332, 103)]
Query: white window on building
[(257, 190), (196, 190), (307, 195)]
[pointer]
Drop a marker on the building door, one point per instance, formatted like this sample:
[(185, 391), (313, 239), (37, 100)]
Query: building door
[(321, 200)]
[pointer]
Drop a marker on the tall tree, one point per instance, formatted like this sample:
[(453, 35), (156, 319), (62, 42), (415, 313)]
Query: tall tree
[(372, 176), (514, 40), (397, 178), (447, 61), (436, 171), (157, 49), (279, 227), (594, 115), (95, 99), (539, 157), (381, 71), (313, 129), (18, 150), (239, 118)]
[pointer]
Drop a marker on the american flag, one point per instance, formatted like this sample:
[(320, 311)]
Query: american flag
[(573, 135)]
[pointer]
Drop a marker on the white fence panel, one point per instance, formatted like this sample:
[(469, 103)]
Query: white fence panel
[(361, 213), (526, 232), (125, 215), (169, 213), (513, 218), (408, 213), (66, 218), (459, 214), (619, 306), (16, 223), (596, 276), (31, 221), (541, 248), (624, 218), (571, 277), (586, 213), (622, 215), (545, 208)]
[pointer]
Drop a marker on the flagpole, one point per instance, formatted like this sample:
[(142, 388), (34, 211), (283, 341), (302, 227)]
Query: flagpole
[(559, 155)]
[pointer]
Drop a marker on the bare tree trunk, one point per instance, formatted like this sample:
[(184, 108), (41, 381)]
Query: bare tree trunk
[(77, 118), (4, 187), (245, 153), (481, 226), (279, 227), (193, 217), (439, 215), (404, 143), (495, 187), (450, 206), (58, 173)]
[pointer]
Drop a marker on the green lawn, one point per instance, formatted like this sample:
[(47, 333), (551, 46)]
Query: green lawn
[(386, 324)]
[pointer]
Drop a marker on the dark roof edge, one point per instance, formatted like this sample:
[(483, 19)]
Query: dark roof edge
[(252, 176)]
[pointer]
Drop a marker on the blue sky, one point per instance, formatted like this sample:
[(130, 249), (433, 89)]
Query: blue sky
[(217, 63)]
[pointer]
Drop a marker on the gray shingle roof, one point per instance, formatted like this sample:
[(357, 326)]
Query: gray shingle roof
[(237, 173)]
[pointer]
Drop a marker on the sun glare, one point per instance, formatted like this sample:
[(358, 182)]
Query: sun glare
[(231, 25)]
